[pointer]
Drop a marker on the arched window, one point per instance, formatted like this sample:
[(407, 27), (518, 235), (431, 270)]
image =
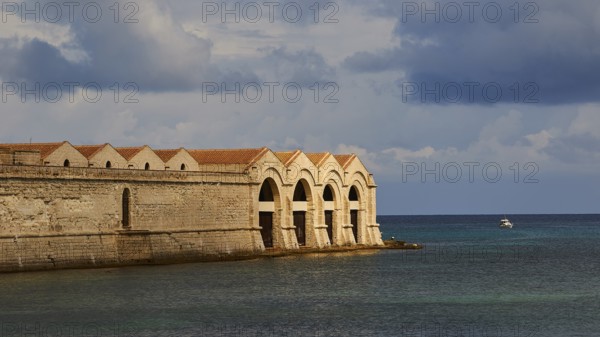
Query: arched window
[(353, 196), (147, 167), (299, 193), (327, 194), (266, 214), (354, 216), (183, 167), (108, 164), (67, 163), (300, 213), (266, 193), (328, 198), (125, 208)]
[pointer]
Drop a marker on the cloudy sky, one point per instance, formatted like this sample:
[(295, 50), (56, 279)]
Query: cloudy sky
[(478, 107)]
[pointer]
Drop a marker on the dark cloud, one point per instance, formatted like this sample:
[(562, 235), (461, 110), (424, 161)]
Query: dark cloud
[(155, 53), (558, 53), (39, 61)]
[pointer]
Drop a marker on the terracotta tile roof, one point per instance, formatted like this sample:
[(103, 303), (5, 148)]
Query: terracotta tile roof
[(318, 158), (129, 152), (287, 157), (236, 156), (89, 151), (344, 159), (166, 155), (203, 157), (45, 149)]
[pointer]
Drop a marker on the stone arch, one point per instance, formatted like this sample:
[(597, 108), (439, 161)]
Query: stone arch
[(357, 195), (303, 212), (360, 179), (354, 208), (331, 200), (307, 175), (66, 163), (269, 212), (332, 174), (329, 210), (330, 170), (108, 164), (270, 172)]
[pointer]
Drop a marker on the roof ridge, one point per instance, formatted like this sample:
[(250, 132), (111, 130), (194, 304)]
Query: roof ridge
[(350, 160), (294, 156), (346, 162), (99, 148), (169, 156), (135, 153), (262, 152), (327, 154), (131, 147), (240, 149)]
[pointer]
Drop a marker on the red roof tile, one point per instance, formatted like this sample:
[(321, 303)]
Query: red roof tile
[(129, 152), (344, 159), (223, 156), (166, 155), (45, 149), (287, 157), (236, 156), (318, 158), (89, 151)]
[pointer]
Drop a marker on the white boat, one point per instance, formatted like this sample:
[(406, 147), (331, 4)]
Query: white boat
[(505, 224)]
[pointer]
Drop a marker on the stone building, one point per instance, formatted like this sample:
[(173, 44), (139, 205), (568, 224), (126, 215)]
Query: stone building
[(102, 156), (78, 206), (179, 159), (141, 158), (50, 154)]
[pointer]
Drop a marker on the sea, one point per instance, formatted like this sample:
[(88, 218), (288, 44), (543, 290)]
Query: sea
[(541, 278)]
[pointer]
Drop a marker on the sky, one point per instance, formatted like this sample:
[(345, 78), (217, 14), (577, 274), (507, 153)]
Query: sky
[(480, 107)]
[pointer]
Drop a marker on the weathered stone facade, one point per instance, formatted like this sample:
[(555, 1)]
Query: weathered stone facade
[(199, 204)]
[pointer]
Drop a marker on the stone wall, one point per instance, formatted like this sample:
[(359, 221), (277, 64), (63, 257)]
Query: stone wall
[(52, 217), (61, 217)]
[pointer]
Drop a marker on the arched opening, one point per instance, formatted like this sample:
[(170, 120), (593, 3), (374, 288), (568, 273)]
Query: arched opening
[(353, 195), (266, 202), (300, 208), (108, 164), (354, 207), (183, 168), (147, 166), (126, 201), (328, 206), (266, 193), (67, 163)]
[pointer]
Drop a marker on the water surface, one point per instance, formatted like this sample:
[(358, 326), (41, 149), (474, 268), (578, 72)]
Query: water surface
[(541, 278)]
